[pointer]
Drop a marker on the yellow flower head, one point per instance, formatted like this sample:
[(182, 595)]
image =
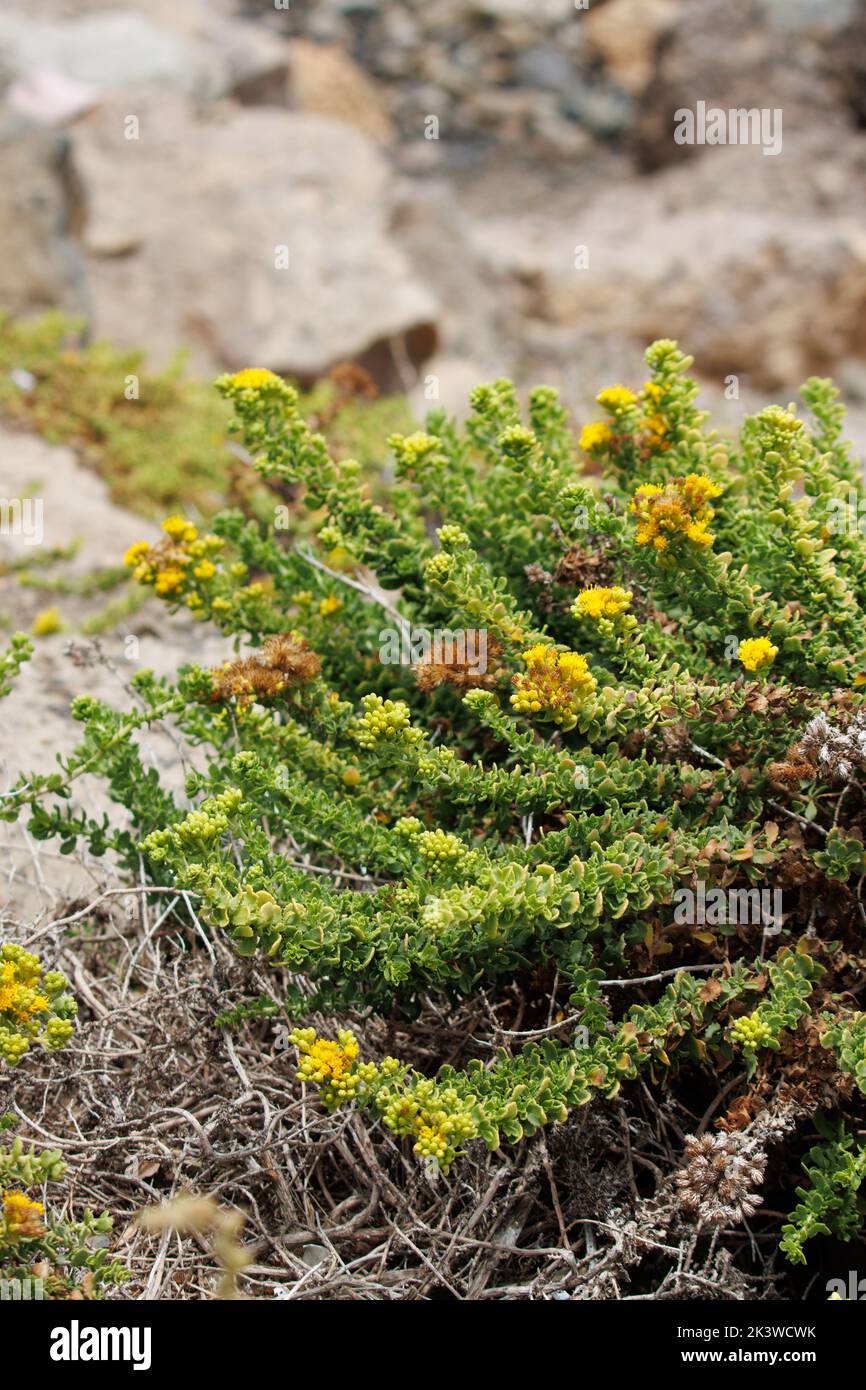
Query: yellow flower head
[(751, 1032), (136, 553), (179, 529), (47, 622), (330, 605), (169, 579), (679, 511), (254, 378), (205, 570), (756, 653), (598, 602), (554, 685), (329, 1064), (594, 436), (22, 1216), (616, 399)]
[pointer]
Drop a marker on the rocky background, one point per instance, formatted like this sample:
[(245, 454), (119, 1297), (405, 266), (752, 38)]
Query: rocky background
[(154, 157), (405, 185)]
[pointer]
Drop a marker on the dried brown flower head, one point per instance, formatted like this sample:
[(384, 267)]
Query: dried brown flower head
[(283, 661), (717, 1182), (834, 752), (457, 669), (581, 569)]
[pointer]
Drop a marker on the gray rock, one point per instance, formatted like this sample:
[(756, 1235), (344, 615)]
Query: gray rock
[(110, 50), (114, 49), (545, 65), (605, 110), (662, 261), (39, 268), (186, 228), (807, 16)]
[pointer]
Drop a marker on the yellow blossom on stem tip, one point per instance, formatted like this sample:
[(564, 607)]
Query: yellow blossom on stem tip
[(616, 398), (554, 684), (598, 602), (254, 378), (169, 579), (678, 511), (594, 436), (22, 1216), (179, 529), (757, 653), (136, 553)]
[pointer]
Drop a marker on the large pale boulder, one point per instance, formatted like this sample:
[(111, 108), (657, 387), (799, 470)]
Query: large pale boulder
[(253, 234)]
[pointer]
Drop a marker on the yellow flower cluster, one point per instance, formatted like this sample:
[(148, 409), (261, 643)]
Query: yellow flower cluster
[(599, 602), (328, 1064), (750, 1032), (678, 511), (167, 566), (554, 685), (654, 421), (330, 605), (18, 997), (756, 653), (33, 1006), (254, 378), (616, 399), (22, 1217), (596, 435)]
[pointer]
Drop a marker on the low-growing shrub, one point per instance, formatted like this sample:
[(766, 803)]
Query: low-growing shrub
[(42, 1255), (476, 743)]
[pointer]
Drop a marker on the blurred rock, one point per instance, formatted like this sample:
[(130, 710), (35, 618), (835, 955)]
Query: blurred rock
[(545, 65), (740, 61), (39, 267), (189, 229), (49, 97), (115, 49), (324, 81), (782, 296), (603, 108), (627, 34), (245, 61), (110, 49), (805, 16)]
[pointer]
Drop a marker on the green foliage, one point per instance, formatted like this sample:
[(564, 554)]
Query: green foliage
[(35, 1007), (69, 1256), (831, 1205), (158, 438), (18, 652), (656, 640)]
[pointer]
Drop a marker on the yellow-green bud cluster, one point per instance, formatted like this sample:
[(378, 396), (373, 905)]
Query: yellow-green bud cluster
[(750, 1032), (409, 826), (440, 849), (439, 566), (452, 537), (437, 1117), (201, 827), (385, 720)]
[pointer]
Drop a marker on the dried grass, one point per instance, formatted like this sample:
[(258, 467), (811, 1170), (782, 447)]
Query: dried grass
[(151, 1101)]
